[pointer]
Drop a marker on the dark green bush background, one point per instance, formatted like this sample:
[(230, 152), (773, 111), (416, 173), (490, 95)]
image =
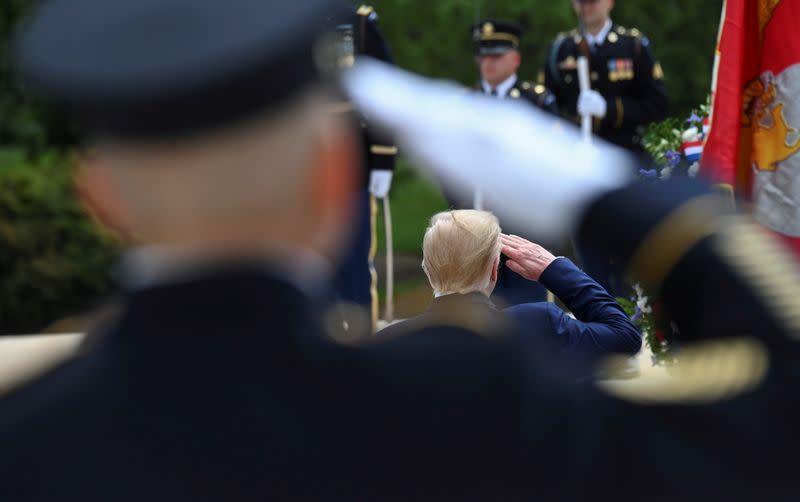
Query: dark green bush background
[(54, 262)]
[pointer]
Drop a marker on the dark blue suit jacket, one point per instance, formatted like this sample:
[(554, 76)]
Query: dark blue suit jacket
[(600, 325)]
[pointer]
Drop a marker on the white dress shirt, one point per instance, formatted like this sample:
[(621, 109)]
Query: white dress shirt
[(601, 35), (502, 88)]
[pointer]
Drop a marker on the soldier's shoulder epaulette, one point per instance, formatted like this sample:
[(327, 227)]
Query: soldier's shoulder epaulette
[(629, 32), (368, 11), (532, 88), (565, 34), (563, 39)]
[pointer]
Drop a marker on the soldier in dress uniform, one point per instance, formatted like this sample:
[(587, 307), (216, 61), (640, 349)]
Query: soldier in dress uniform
[(497, 55), (627, 93), (356, 278), (627, 83), (497, 43)]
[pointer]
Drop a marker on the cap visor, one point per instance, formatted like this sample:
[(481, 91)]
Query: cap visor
[(493, 51)]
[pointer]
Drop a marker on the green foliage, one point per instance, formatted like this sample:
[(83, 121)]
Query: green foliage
[(54, 262), (663, 139), (413, 201), (656, 328), (24, 120), (434, 37)]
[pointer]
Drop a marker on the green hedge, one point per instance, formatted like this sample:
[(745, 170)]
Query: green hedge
[(54, 262)]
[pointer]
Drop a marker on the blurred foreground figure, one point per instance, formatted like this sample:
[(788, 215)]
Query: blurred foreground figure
[(461, 257)]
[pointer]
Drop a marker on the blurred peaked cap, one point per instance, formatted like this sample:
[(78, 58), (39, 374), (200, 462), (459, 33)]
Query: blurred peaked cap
[(493, 36), (150, 68)]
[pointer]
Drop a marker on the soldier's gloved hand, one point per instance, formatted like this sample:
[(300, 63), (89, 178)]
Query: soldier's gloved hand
[(591, 102), (380, 181)]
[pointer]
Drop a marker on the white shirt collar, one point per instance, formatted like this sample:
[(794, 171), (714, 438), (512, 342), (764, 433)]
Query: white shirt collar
[(601, 35), (502, 88)]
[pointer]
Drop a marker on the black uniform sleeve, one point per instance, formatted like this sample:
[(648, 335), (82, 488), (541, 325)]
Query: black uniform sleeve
[(550, 80), (649, 102), (381, 151)]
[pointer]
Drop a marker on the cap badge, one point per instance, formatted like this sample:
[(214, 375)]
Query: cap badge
[(488, 29)]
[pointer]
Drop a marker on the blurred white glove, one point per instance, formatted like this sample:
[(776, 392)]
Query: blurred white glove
[(380, 181), (537, 176), (591, 102)]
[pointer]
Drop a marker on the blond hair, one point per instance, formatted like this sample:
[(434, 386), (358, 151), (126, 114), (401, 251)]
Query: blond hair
[(459, 250)]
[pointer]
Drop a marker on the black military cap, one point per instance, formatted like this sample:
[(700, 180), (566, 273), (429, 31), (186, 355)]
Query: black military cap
[(150, 68), (495, 37)]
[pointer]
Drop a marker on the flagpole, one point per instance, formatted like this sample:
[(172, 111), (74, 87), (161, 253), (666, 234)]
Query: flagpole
[(583, 81)]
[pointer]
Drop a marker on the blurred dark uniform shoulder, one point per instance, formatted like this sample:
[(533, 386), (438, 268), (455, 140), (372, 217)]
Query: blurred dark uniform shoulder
[(622, 69)]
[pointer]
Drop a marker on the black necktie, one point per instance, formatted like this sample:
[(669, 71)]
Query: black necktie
[(494, 92)]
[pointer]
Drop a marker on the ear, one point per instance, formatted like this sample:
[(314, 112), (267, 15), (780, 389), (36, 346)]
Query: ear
[(98, 195), (495, 269)]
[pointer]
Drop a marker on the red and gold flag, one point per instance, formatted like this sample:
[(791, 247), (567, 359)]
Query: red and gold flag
[(754, 139)]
